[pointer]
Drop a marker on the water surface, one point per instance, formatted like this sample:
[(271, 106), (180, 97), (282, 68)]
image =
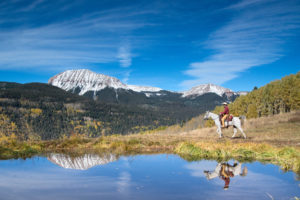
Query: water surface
[(62, 177)]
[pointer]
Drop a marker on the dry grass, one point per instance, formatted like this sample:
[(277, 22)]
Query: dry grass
[(278, 130)]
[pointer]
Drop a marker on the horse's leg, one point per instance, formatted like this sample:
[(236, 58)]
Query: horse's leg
[(234, 131), (240, 128), (219, 131)]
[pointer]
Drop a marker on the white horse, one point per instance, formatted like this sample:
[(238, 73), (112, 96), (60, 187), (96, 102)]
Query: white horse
[(236, 123)]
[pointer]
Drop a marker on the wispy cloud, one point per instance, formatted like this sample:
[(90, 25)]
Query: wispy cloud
[(123, 183), (255, 36), (32, 5), (28, 179), (124, 56), (83, 40), (126, 76)]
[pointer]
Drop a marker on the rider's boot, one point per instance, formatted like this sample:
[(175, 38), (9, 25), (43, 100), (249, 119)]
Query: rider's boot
[(223, 125)]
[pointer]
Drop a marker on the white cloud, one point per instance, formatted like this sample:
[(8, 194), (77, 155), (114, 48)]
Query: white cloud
[(86, 40), (197, 168), (255, 36), (32, 5), (126, 76), (123, 184), (124, 56)]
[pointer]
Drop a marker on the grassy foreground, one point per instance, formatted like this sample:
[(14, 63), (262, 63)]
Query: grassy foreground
[(272, 139)]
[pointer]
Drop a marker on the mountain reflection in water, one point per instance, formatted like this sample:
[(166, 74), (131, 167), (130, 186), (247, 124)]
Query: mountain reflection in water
[(83, 162), (226, 171)]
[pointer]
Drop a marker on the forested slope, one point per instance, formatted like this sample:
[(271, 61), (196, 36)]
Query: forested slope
[(42, 111), (279, 96)]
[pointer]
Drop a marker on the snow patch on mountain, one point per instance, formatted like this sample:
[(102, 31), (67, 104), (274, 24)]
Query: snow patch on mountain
[(206, 88), (86, 80), (143, 88)]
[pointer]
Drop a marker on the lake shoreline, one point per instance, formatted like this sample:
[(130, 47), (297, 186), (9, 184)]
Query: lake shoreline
[(223, 149)]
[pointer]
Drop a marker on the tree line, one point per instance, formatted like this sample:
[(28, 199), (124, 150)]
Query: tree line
[(279, 96)]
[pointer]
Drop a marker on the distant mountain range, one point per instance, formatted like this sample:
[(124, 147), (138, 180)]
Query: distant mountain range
[(106, 89), (91, 84)]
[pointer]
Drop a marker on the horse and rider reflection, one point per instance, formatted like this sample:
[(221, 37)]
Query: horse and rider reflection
[(226, 171)]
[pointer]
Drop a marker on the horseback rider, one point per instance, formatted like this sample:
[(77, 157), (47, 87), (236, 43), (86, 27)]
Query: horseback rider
[(224, 114)]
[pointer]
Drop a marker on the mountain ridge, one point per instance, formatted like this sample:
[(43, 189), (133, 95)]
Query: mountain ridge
[(87, 80), (83, 80)]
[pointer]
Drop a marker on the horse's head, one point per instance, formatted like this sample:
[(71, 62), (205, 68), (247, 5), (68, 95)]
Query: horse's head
[(206, 116)]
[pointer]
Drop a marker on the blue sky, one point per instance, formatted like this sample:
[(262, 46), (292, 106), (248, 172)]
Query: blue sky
[(173, 45)]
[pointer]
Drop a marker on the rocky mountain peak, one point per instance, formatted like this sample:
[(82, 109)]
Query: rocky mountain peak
[(206, 88), (83, 80), (86, 80)]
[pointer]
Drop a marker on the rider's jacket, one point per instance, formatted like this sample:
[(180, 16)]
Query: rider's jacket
[(226, 111)]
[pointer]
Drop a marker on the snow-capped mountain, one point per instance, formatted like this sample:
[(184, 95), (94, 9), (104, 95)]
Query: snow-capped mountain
[(110, 89), (86, 80), (207, 88), (80, 163)]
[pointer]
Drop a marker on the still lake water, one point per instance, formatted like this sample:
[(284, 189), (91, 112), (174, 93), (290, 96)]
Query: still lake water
[(60, 177)]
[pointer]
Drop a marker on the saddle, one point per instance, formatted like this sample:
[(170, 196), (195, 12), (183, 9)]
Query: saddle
[(225, 172), (228, 118)]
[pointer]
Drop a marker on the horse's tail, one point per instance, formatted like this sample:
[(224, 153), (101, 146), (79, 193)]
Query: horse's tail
[(243, 119)]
